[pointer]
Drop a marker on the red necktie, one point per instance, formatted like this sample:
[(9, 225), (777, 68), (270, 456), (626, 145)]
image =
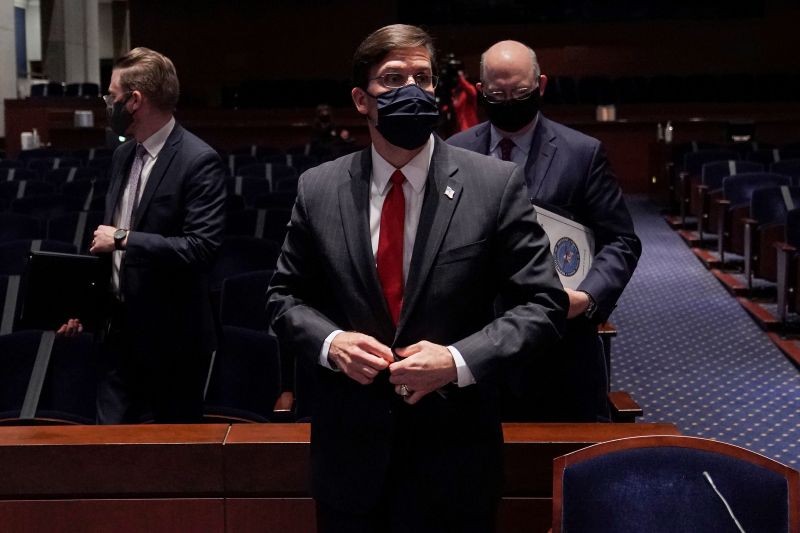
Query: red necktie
[(506, 145), (390, 245)]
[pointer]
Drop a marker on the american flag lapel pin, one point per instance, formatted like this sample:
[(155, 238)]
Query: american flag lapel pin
[(449, 192)]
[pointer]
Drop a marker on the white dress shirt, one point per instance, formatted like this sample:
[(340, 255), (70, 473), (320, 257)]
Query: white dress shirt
[(416, 174), (152, 146)]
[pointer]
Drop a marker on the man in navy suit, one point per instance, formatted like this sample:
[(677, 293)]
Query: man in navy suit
[(567, 170), (386, 288), (164, 221)]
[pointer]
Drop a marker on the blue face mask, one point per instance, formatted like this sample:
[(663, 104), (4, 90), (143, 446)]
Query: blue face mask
[(407, 116)]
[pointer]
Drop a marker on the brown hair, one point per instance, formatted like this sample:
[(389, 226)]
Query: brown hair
[(379, 43), (152, 74)]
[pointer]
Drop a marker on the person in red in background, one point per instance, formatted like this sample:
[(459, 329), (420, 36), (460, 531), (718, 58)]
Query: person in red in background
[(458, 98), (465, 103)]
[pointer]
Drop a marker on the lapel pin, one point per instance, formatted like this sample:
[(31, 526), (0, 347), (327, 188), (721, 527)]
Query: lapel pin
[(449, 192)]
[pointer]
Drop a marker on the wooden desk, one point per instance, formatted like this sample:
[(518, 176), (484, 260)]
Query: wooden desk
[(219, 478)]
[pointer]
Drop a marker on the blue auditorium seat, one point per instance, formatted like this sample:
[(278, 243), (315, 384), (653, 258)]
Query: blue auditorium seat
[(11, 190), (737, 191), (40, 386), (245, 379), (247, 187), (238, 255), (14, 226), (787, 167), (60, 176), (272, 172), (17, 174), (670, 483), (47, 206), (244, 300), (76, 228)]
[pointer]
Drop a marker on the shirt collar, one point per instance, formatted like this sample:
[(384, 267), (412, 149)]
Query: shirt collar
[(522, 138), (156, 141), (415, 171)]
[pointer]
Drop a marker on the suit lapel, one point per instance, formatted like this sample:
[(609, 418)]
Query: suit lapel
[(354, 210), (158, 172), (540, 157), (118, 181), (442, 194), (483, 138)]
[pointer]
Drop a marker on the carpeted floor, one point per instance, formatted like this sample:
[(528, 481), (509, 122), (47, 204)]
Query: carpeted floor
[(689, 354)]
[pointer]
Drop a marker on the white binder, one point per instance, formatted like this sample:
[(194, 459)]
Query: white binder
[(572, 246)]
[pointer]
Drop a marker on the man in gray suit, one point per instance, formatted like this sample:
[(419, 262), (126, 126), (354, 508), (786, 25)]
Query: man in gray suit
[(386, 285)]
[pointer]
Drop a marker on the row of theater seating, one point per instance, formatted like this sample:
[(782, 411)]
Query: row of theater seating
[(54, 89), (744, 224)]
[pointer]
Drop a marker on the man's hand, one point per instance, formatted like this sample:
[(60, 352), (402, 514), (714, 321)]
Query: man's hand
[(578, 303), (359, 356), (103, 240), (72, 328), (425, 368)]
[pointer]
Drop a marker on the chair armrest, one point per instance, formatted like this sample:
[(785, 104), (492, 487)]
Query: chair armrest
[(623, 407), (283, 411)]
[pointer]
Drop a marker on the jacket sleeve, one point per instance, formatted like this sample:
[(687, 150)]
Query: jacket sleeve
[(617, 248), (532, 301), (204, 224), (301, 328)]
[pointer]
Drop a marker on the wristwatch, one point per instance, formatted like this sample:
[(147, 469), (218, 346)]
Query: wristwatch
[(591, 309), (119, 237)]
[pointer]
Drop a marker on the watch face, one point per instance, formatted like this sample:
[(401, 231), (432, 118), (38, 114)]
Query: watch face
[(566, 256), (120, 234)]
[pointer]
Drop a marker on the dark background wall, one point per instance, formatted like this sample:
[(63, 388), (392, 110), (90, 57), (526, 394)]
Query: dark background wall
[(217, 45)]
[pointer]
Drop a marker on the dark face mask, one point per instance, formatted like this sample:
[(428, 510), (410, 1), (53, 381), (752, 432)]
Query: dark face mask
[(513, 115), (119, 118), (407, 116)]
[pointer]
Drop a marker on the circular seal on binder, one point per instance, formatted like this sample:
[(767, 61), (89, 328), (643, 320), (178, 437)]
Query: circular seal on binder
[(566, 256)]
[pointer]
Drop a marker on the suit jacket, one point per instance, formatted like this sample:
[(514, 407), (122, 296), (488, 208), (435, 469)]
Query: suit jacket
[(482, 243), (177, 229), (569, 170)]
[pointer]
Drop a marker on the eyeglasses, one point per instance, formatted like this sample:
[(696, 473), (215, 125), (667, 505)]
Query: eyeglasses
[(110, 101), (395, 80), (519, 94)]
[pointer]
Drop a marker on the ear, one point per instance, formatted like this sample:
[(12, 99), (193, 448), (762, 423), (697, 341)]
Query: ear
[(360, 99), (542, 84), (136, 100), (479, 86)]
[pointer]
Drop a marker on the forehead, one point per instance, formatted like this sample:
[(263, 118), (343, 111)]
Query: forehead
[(505, 70), (114, 85), (405, 58)]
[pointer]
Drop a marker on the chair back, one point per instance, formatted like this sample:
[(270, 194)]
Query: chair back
[(787, 167), (244, 300), (246, 376), (739, 189), (713, 173), (793, 227), (770, 205), (670, 483), (693, 161)]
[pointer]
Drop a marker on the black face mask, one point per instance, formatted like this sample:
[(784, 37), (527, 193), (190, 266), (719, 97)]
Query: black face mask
[(513, 115), (119, 118), (407, 116)]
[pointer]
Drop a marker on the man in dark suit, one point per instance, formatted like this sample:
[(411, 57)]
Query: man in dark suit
[(386, 286), (164, 220), (567, 170)]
